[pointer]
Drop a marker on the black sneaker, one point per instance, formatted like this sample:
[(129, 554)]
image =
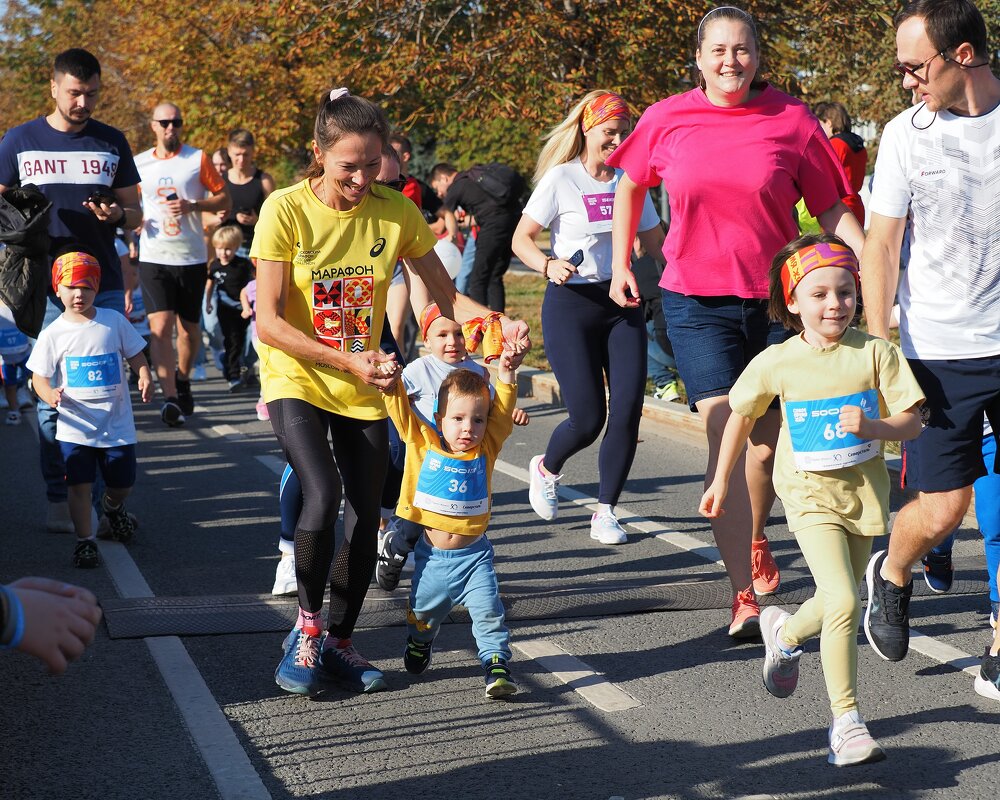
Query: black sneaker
[(988, 679), (171, 413), (938, 572), (85, 554), (389, 566), (184, 397), (499, 684), (120, 525), (417, 656), (887, 617)]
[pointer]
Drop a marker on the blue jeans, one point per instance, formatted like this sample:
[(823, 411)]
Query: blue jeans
[(660, 365), (987, 489), (446, 578), (468, 259), (50, 453)]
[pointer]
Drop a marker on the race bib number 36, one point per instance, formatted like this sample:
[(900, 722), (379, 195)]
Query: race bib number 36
[(818, 441), (90, 377), (451, 486)]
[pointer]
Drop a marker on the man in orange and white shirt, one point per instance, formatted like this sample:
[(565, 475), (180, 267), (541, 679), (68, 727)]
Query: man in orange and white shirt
[(178, 183)]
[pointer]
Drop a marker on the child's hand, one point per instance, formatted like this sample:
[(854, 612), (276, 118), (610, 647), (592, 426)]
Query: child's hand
[(853, 420), (712, 500), (57, 396), (208, 306), (246, 313), (377, 369), (145, 385), (520, 417)]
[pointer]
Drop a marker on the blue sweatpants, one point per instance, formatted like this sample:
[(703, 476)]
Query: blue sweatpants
[(446, 578)]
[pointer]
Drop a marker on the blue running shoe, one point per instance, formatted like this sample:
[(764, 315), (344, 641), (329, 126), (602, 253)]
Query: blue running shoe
[(298, 671), (346, 665), (938, 572)]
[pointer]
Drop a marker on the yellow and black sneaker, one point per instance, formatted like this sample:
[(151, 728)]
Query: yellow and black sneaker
[(499, 684)]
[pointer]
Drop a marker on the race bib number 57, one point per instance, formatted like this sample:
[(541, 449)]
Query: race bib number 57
[(818, 442)]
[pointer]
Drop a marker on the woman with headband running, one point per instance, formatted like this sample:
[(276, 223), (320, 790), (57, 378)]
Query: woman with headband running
[(588, 336), (325, 251), (734, 155)]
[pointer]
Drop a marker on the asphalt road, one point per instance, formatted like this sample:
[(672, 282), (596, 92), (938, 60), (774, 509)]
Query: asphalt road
[(652, 705)]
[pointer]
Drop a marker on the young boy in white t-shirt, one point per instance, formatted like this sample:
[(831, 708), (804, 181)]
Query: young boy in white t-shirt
[(14, 350), (77, 367)]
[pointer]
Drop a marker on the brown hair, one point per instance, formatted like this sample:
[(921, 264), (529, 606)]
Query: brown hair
[(777, 309), (835, 114), (241, 137), (948, 23), (736, 15), (461, 383), (342, 117)]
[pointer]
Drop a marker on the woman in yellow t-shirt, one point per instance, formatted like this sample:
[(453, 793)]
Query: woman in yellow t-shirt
[(325, 250)]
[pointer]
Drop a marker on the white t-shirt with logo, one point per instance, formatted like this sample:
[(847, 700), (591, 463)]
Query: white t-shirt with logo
[(577, 208), (85, 359), (423, 378), (166, 239), (946, 172)]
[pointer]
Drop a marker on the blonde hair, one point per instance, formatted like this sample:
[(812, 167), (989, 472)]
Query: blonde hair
[(565, 141), (228, 236)]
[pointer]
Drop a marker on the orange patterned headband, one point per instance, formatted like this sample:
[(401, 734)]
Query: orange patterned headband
[(601, 109), (815, 256), (76, 269)]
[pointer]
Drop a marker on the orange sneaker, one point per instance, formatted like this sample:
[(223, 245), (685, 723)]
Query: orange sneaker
[(763, 570), (746, 615)]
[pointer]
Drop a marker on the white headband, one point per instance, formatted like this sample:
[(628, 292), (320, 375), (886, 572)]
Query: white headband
[(336, 94), (720, 8)]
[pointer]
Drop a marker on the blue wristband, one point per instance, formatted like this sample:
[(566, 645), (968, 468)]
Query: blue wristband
[(16, 612)]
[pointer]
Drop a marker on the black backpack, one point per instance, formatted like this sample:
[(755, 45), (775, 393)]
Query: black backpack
[(502, 183), (24, 255)]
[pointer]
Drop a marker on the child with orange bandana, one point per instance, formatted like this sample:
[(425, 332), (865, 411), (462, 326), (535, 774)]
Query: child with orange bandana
[(842, 393), (77, 367)]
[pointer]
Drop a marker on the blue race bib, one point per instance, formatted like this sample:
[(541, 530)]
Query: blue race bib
[(451, 486), (12, 342), (91, 377), (817, 439)]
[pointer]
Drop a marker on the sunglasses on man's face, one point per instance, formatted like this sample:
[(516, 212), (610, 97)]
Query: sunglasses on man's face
[(397, 184), (166, 123)]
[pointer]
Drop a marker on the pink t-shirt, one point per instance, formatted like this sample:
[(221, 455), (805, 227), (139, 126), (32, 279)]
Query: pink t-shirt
[(733, 175)]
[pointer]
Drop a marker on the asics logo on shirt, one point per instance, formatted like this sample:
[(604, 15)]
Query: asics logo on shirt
[(378, 248)]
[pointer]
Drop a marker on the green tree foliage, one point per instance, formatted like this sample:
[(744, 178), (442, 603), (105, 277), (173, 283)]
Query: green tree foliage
[(484, 80)]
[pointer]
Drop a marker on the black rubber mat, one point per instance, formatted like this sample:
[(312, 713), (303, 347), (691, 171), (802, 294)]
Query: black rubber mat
[(216, 615)]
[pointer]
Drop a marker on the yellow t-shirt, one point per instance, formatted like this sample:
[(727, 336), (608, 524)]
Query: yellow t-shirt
[(342, 263), (450, 492), (812, 383)]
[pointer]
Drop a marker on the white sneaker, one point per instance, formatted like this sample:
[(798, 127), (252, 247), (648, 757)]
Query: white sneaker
[(543, 490), (605, 528), (781, 669), (284, 577), (24, 398), (13, 418), (850, 742), (57, 518)]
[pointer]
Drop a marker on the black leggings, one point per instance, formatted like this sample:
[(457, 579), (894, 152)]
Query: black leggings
[(361, 449), (588, 336)]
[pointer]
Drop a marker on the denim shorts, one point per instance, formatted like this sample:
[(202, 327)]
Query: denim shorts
[(948, 454), (714, 338)]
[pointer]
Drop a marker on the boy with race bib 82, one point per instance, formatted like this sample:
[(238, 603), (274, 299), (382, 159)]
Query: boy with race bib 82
[(77, 367), (842, 394), (447, 490)]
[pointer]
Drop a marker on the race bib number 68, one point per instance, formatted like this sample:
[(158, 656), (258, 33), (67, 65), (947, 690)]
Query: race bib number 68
[(819, 442)]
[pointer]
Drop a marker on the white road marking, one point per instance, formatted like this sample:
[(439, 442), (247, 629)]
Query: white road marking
[(273, 463), (926, 645), (228, 432), (593, 687), (227, 762)]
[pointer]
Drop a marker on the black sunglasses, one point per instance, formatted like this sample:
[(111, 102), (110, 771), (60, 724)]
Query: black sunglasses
[(166, 123), (397, 184)]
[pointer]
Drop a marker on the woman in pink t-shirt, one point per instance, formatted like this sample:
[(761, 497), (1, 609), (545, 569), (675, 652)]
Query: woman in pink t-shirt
[(734, 156)]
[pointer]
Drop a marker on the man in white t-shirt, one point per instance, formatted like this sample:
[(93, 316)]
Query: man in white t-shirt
[(939, 162), (178, 183)]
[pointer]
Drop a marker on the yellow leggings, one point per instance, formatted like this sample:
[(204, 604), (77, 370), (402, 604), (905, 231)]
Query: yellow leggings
[(837, 561)]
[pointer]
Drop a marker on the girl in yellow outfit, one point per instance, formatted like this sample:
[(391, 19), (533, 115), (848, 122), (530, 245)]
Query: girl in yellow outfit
[(842, 394)]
